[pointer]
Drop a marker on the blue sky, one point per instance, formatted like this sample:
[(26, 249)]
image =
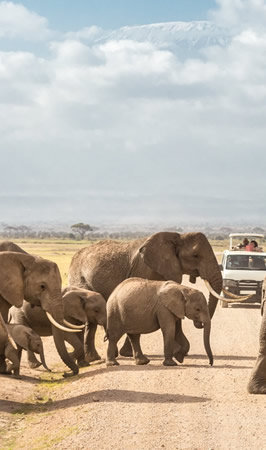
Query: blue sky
[(143, 124), (68, 15)]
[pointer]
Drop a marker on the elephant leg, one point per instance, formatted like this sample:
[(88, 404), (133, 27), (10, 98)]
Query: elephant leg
[(78, 353), (126, 349), (90, 351), (63, 353), (168, 330), (140, 359), (113, 338), (257, 382), (181, 344), (32, 360), (14, 357)]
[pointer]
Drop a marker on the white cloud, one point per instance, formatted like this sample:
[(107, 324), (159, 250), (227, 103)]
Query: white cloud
[(128, 117), (16, 21), (87, 34)]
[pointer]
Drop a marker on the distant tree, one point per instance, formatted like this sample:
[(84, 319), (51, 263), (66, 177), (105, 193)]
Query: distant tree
[(81, 228)]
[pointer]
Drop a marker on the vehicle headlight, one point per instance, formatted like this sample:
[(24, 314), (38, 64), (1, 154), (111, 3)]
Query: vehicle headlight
[(229, 283)]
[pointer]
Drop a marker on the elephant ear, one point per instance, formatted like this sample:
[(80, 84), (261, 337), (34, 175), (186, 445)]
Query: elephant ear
[(74, 305), (160, 253), (20, 334), (12, 278), (173, 299)]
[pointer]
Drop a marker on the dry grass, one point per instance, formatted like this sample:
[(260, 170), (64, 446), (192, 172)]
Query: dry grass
[(59, 251)]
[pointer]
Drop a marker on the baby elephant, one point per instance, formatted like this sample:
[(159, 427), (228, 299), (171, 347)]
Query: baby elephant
[(25, 338), (139, 306)]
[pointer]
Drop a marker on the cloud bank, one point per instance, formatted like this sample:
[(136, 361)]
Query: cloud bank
[(97, 129)]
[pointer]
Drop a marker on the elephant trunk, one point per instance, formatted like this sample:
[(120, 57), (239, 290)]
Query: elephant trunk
[(56, 308), (206, 339), (43, 359)]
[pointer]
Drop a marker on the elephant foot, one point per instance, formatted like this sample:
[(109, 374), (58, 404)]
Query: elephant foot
[(111, 363), (142, 361), (69, 374), (169, 362), (256, 388), (92, 356), (34, 365), (179, 357), (83, 363)]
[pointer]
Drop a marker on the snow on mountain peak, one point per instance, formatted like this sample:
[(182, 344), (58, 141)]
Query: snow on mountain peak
[(184, 36)]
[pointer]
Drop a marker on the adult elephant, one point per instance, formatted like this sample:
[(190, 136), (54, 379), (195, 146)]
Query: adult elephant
[(162, 256), (257, 381), (37, 280)]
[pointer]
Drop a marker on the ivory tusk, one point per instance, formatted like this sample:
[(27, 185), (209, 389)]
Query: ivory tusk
[(212, 291), (12, 342), (230, 294), (71, 325), (60, 327)]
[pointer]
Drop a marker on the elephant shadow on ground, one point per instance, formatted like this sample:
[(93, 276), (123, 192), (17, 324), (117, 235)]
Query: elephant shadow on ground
[(105, 396), (128, 367), (22, 377), (222, 358)]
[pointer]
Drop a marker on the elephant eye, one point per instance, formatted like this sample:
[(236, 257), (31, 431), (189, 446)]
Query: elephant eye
[(42, 286), (197, 309), (96, 309), (195, 255)]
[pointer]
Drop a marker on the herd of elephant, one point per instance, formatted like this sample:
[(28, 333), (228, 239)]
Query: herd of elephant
[(131, 287)]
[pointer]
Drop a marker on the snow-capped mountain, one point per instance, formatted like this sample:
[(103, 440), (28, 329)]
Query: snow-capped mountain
[(177, 36)]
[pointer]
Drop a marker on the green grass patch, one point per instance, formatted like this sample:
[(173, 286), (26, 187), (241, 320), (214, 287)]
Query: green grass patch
[(47, 441)]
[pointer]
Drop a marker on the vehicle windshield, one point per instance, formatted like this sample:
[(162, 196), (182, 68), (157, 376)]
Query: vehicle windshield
[(246, 262)]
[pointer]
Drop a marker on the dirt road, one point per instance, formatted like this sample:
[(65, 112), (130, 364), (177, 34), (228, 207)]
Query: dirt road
[(192, 406)]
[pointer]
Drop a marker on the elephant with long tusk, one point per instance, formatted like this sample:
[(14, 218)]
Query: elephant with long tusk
[(37, 280), (163, 256)]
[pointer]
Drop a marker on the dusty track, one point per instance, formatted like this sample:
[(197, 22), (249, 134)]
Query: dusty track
[(192, 406)]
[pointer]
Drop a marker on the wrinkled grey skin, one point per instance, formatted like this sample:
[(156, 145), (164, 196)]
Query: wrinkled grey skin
[(23, 276), (139, 306), (26, 339), (80, 306), (257, 381), (163, 256)]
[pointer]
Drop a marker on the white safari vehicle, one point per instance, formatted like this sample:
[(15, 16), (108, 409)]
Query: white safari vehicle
[(243, 268)]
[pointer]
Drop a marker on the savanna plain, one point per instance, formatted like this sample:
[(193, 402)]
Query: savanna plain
[(192, 406)]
